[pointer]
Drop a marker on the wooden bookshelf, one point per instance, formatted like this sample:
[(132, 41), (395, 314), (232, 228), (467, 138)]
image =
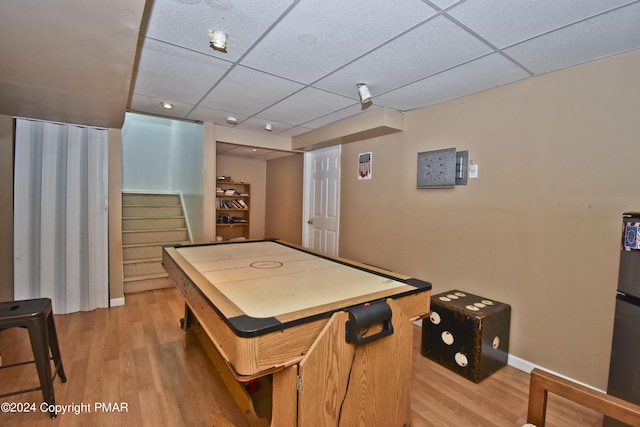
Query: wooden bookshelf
[(233, 206)]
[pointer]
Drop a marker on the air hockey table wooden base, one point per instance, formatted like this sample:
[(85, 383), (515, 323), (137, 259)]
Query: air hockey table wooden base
[(333, 336)]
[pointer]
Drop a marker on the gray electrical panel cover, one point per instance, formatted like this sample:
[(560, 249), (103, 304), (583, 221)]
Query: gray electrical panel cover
[(437, 169)]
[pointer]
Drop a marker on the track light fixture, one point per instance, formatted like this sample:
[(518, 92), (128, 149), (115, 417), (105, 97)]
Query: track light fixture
[(365, 95), (218, 40)]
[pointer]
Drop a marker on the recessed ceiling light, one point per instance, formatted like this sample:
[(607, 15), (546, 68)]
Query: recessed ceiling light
[(166, 105), (268, 127)]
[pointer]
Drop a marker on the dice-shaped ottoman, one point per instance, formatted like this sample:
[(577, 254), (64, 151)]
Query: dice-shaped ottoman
[(467, 334)]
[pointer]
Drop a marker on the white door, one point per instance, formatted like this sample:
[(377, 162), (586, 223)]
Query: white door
[(322, 200)]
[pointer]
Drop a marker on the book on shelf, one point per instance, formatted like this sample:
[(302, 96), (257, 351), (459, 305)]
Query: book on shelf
[(230, 204)]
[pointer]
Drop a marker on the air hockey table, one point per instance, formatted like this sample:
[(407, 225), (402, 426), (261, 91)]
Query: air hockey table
[(312, 324)]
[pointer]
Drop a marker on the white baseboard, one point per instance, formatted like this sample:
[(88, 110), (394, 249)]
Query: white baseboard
[(115, 302), (526, 366), (521, 364)]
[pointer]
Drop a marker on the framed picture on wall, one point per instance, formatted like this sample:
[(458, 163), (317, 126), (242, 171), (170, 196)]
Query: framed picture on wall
[(365, 166)]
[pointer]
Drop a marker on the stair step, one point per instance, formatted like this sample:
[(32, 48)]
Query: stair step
[(152, 217), (161, 244), (153, 236), (145, 277), (155, 230), (141, 260), (147, 250), (148, 284), (153, 223), (134, 268), (146, 199), (152, 211)]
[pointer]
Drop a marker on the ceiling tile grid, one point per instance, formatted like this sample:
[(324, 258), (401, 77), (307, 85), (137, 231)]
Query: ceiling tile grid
[(610, 33), (248, 91), (475, 76), (296, 63), (305, 105), (426, 50), (319, 37), (507, 22), (186, 23), (175, 74), (351, 110)]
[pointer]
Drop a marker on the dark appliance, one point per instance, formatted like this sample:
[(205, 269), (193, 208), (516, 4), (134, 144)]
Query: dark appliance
[(624, 367)]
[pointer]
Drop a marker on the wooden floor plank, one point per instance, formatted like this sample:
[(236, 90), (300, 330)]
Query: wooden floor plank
[(134, 354)]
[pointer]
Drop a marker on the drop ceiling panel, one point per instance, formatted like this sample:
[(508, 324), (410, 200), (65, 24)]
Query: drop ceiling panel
[(218, 117), (481, 74), (247, 91), (175, 74), (506, 22), (186, 23), (443, 4), (426, 50), (305, 105), (319, 37), (294, 131), (152, 105), (612, 32), (257, 124), (352, 110)]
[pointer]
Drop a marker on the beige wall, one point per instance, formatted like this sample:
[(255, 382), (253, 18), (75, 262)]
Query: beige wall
[(283, 211), (255, 173), (540, 227), (6, 208)]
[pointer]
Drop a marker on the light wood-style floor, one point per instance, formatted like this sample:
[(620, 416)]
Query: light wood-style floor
[(134, 355)]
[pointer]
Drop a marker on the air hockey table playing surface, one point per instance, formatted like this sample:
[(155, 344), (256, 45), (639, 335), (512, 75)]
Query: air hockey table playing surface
[(261, 302)]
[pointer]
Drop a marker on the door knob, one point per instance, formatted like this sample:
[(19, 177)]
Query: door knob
[(310, 222)]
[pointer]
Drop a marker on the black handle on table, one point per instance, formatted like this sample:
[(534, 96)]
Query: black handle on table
[(362, 317)]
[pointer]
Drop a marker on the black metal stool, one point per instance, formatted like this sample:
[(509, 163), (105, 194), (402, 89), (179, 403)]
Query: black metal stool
[(36, 315)]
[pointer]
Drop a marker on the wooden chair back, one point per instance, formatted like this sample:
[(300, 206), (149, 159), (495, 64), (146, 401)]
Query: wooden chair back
[(542, 383)]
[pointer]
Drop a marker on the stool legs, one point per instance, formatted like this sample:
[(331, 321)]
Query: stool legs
[(55, 350), (36, 315), (38, 338)]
